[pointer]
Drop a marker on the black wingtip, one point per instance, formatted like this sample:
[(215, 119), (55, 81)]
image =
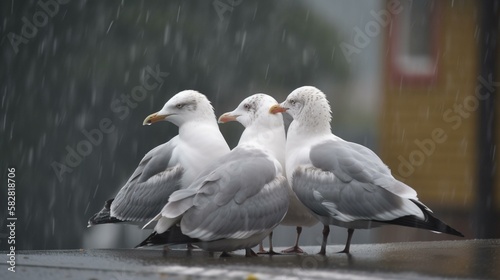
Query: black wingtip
[(149, 241), (103, 216), (173, 236), (448, 229), (430, 223)]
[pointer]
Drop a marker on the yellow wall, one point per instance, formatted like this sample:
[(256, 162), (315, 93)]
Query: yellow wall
[(410, 112)]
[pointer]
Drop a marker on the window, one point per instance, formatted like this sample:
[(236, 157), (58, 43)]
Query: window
[(413, 42)]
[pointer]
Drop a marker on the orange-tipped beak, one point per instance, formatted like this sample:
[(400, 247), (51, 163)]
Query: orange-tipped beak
[(227, 117), (155, 117), (277, 109)]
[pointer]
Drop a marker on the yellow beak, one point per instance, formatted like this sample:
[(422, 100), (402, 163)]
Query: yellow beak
[(155, 117), (227, 117), (277, 109)]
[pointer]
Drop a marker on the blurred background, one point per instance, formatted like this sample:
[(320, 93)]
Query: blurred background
[(413, 80)]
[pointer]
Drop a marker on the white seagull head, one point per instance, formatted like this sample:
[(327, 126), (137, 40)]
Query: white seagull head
[(307, 105), (254, 110), (185, 106)]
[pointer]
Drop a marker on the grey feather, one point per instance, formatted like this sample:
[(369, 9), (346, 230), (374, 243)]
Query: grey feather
[(149, 187), (342, 184), (351, 161), (242, 196)]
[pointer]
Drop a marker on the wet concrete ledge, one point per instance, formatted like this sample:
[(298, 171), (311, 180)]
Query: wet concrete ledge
[(469, 259)]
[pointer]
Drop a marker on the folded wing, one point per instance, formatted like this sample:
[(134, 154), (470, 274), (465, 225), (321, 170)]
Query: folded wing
[(149, 187), (349, 182), (244, 195)]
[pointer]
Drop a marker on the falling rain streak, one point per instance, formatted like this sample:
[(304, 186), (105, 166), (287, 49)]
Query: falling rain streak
[(69, 65)]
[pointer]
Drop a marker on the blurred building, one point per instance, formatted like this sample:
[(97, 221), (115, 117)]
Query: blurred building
[(438, 71), (401, 77)]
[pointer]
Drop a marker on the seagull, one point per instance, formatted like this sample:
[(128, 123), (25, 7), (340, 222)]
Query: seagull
[(297, 215), (171, 166), (344, 183), (239, 199)]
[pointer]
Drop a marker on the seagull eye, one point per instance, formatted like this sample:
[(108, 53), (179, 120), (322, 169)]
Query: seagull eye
[(179, 106), (293, 102), (247, 106)]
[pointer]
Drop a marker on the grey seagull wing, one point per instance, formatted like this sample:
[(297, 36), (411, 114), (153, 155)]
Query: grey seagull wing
[(244, 195), (149, 187), (348, 182)]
